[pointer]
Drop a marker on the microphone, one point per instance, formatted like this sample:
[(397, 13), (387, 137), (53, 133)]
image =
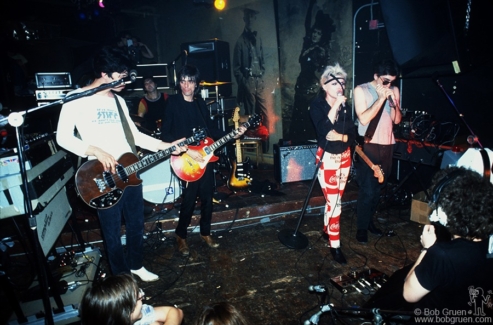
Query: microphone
[(133, 75), (343, 103), (317, 288), (391, 101)]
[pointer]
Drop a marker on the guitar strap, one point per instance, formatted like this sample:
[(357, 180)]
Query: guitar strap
[(370, 131), (126, 127)]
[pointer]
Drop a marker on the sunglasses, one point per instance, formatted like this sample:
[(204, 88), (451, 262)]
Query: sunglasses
[(385, 82)]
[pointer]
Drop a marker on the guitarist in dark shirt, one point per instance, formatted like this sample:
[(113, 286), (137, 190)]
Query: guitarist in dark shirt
[(186, 111)]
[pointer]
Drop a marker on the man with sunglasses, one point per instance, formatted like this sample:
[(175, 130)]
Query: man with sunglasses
[(377, 108)]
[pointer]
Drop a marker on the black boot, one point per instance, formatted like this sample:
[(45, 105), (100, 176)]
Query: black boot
[(337, 255), (362, 236)]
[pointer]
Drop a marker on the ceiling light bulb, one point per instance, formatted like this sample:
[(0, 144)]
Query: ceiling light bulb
[(101, 4), (219, 4)]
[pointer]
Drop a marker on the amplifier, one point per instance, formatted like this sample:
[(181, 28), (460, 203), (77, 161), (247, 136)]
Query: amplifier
[(53, 80), (45, 180), (294, 163), (51, 94), (418, 152)]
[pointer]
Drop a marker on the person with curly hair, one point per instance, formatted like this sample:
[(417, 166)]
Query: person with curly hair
[(117, 300), (454, 267), (463, 203), (222, 313)]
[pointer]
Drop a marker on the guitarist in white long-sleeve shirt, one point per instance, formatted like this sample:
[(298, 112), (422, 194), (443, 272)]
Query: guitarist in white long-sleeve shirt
[(92, 127)]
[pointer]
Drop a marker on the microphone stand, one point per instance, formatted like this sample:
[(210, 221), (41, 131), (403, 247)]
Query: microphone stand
[(293, 238), (458, 113), (174, 64), (16, 120)]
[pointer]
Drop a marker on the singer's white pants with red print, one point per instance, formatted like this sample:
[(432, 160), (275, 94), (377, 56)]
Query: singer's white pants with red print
[(332, 176)]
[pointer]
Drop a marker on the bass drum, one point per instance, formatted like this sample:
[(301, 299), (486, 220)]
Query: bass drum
[(160, 185)]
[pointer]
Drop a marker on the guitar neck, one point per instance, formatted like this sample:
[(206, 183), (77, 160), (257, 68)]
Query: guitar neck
[(239, 158), (153, 158), (364, 156), (226, 138)]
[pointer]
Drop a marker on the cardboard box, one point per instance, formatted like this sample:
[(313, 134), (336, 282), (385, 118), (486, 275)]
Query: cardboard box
[(420, 211)]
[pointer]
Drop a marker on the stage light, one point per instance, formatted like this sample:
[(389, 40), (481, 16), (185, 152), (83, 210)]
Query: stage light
[(101, 4), (220, 4)]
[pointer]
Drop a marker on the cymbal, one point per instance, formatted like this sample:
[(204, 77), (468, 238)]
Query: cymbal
[(215, 83)]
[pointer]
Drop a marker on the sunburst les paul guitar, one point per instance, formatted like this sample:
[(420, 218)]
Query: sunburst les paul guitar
[(101, 189), (377, 170), (240, 174), (189, 170)]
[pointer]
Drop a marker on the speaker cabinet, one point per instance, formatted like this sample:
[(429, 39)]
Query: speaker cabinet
[(294, 163), (212, 58)]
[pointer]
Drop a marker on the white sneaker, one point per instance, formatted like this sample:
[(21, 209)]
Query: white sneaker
[(145, 275)]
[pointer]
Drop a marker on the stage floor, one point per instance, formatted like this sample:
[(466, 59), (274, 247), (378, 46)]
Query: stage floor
[(252, 268)]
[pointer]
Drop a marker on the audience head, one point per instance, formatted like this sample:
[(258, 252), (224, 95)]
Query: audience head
[(222, 313), (110, 301), (462, 201)]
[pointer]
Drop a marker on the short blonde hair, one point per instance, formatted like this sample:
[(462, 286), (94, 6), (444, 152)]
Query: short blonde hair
[(334, 70)]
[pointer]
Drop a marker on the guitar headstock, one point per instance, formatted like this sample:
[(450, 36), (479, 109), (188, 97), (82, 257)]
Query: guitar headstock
[(254, 120), (378, 173), (236, 115)]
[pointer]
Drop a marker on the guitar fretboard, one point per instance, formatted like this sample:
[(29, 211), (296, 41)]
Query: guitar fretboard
[(224, 139), (151, 159)]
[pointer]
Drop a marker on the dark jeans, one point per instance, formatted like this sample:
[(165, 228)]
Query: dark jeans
[(369, 188), (204, 189), (131, 206)]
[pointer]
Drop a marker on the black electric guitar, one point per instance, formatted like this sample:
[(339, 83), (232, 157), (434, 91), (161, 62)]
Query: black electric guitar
[(100, 189), (240, 174)]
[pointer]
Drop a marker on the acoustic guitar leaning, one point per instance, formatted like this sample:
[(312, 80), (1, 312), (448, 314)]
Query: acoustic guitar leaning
[(377, 171), (100, 189), (189, 170), (240, 174)]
